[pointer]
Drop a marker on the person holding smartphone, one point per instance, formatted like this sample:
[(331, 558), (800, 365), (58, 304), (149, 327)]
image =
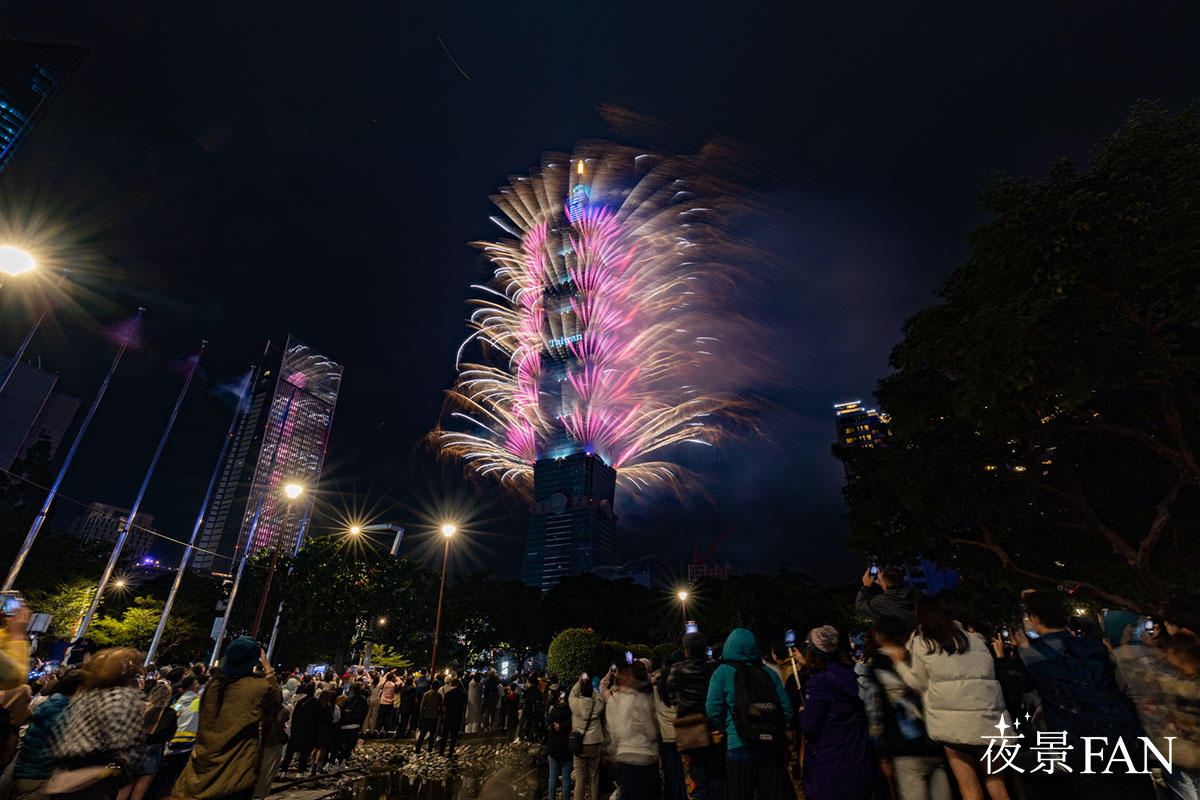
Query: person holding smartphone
[(884, 594), (14, 643), (241, 696)]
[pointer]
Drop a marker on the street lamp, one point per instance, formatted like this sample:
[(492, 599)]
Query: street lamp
[(15, 261), (291, 491), (447, 532), (355, 530), (683, 602)]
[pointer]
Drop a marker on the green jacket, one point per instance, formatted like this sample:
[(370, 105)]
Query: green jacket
[(740, 647), (226, 757)]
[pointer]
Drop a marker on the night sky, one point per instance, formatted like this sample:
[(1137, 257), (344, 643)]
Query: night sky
[(253, 169)]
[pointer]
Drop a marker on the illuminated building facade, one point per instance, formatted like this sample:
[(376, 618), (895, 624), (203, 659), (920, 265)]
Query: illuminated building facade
[(572, 527), (858, 426), (31, 75), (282, 438)]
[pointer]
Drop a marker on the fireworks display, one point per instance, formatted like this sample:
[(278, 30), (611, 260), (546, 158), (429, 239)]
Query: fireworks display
[(604, 327)]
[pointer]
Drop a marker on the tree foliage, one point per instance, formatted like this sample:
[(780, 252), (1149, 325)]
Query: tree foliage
[(574, 652), (1045, 415)]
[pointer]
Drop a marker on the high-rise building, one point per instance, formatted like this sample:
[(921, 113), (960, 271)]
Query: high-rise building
[(863, 427), (282, 438), (31, 408), (572, 527), (103, 523), (858, 426), (31, 75)]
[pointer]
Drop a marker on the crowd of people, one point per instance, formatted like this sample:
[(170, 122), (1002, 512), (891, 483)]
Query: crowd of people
[(916, 704)]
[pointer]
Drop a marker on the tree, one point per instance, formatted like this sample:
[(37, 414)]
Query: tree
[(1045, 415), (574, 652), (136, 625)]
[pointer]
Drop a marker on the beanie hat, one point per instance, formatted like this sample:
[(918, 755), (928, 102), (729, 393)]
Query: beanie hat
[(240, 657), (824, 640)]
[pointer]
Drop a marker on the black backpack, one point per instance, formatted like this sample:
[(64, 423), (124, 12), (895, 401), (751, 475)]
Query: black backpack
[(757, 712)]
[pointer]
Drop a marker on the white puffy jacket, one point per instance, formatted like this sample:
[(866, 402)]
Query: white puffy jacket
[(962, 697), (632, 727)]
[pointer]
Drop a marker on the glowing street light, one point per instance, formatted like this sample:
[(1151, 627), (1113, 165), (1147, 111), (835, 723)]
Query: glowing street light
[(683, 596), (15, 261), (293, 490), (119, 584), (355, 530), (383, 620), (447, 532)]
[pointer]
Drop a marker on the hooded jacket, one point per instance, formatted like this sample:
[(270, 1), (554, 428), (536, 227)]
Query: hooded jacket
[(899, 602), (837, 751), (34, 759), (226, 757), (740, 647)]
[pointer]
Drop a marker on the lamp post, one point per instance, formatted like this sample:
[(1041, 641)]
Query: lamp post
[(291, 491), (683, 602), (40, 519), (385, 527), (447, 532)]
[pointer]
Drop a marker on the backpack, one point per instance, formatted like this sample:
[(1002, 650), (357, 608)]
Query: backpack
[(757, 711), (1080, 693)]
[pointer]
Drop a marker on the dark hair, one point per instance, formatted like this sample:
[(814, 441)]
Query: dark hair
[(1185, 645), (1183, 612), (694, 645), (890, 630), (307, 689), (69, 683), (585, 688), (936, 626), (326, 698), (780, 651), (892, 576), (1047, 607)]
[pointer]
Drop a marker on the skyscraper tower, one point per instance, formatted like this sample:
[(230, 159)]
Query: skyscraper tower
[(572, 526), (281, 439), (31, 76)]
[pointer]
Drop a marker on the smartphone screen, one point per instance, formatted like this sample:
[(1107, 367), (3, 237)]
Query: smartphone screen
[(709, 652), (11, 603), (789, 638), (691, 627), (1149, 625), (874, 570), (628, 656), (1004, 634)]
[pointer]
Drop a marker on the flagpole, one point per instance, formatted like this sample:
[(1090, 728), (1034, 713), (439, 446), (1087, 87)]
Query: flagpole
[(123, 534), (242, 408)]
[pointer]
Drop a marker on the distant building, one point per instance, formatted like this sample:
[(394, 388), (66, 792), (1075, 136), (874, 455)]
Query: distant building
[(103, 523), (863, 427), (32, 75), (858, 426), (30, 408), (282, 438), (572, 527), (701, 568)]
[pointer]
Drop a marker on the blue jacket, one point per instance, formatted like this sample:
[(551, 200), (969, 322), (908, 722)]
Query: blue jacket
[(739, 648), (34, 760), (838, 762)]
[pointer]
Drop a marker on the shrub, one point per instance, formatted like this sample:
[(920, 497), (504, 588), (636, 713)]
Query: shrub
[(573, 652), (663, 651)]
